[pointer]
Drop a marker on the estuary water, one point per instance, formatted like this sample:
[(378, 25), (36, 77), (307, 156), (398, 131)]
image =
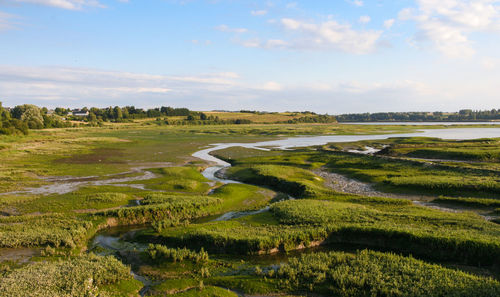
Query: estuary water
[(305, 141)]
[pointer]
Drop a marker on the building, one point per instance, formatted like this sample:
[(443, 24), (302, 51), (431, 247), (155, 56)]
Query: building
[(80, 113)]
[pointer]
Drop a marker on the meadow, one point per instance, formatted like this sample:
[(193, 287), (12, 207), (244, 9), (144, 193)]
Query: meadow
[(129, 197)]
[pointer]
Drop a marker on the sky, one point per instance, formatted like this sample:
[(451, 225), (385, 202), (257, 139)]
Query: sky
[(327, 56)]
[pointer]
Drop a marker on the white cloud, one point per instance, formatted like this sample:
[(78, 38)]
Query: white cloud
[(448, 24), (357, 3), (330, 35), (251, 43), (225, 28), (77, 87), (489, 63), (365, 19), (61, 83), (65, 4), (276, 43), (271, 86), (389, 23), (258, 12)]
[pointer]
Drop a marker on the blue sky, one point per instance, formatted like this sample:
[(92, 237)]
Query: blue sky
[(331, 56)]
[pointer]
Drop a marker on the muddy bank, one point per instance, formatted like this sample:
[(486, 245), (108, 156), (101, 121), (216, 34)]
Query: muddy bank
[(18, 255), (68, 184)]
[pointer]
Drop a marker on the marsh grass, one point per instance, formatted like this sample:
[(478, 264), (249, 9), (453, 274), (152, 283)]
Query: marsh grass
[(399, 227), (295, 181), (40, 230), (378, 274), (178, 179), (83, 276)]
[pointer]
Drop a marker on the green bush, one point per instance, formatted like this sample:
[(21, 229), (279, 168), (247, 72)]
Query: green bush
[(165, 210), (54, 229), (417, 230), (82, 276), (369, 273), (163, 253)]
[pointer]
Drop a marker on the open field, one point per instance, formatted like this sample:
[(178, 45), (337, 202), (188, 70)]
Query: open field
[(130, 197)]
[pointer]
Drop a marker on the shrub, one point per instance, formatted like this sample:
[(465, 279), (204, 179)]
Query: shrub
[(81, 276)]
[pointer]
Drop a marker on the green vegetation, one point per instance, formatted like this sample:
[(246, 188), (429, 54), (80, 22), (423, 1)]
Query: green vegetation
[(402, 228), (39, 230), (235, 237), (462, 115), (164, 211), (243, 197), (179, 179), (302, 223), (88, 275), (462, 150), (404, 176), (190, 236), (472, 202), (292, 180), (378, 274), (79, 201), (206, 292), (162, 253)]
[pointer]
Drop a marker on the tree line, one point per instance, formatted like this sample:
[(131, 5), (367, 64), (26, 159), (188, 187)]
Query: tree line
[(21, 118), (462, 115), (123, 114)]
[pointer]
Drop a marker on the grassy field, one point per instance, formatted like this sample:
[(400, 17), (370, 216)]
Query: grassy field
[(173, 228), (258, 117)]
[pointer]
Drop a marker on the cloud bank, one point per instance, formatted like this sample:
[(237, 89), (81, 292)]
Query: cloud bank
[(77, 87)]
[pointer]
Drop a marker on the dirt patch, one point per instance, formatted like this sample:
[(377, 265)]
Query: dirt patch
[(340, 183)]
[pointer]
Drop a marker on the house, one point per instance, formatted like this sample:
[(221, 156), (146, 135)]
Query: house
[(80, 113)]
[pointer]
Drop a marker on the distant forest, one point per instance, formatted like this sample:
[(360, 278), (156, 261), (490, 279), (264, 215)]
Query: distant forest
[(464, 115)]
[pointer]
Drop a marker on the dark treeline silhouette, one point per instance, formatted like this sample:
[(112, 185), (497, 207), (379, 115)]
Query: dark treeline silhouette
[(462, 115)]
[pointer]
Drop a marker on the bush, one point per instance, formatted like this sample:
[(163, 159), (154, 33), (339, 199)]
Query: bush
[(163, 253), (82, 276), (369, 273), (55, 230), (165, 211)]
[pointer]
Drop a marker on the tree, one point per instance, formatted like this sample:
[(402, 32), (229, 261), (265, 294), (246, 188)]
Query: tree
[(29, 114), (117, 113), (61, 111), (92, 117), (4, 114)]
